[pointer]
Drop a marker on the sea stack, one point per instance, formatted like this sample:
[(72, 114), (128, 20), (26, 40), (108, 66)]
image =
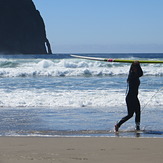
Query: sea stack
[(22, 29)]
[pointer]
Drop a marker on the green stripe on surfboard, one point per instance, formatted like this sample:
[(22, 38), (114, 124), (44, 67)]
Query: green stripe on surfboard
[(116, 60)]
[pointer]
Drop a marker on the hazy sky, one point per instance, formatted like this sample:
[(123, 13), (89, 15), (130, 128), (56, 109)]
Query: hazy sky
[(103, 25)]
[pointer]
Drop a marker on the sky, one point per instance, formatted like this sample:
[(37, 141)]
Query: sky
[(103, 26)]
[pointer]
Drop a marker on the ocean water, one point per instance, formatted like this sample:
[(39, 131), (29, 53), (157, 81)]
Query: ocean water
[(57, 95)]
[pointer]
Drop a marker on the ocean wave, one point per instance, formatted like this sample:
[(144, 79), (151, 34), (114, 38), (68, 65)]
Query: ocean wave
[(102, 99), (70, 67)]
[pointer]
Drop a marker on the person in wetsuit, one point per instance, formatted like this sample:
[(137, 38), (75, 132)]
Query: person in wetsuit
[(132, 101)]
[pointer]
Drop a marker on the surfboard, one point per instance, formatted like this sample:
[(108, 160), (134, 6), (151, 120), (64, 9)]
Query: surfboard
[(117, 60)]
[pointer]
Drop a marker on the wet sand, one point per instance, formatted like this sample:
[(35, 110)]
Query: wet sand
[(80, 149)]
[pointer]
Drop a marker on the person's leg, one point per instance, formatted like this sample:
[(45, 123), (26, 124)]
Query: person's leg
[(130, 109), (126, 118), (137, 115)]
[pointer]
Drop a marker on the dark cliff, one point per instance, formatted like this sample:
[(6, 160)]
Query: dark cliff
[(22, 29)]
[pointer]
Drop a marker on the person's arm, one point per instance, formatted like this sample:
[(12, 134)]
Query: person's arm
[(140, 71)]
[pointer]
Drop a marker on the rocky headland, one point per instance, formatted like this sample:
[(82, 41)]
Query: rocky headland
[(22, 29)]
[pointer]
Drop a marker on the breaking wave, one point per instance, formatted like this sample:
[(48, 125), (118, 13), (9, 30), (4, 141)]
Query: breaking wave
[(69, 67)]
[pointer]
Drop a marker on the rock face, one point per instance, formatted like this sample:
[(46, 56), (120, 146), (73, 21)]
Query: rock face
[(22, 29)]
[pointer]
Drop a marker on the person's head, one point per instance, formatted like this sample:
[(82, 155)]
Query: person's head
[(135, 66)]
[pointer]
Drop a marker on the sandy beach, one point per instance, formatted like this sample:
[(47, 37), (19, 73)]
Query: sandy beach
[(74, 150)]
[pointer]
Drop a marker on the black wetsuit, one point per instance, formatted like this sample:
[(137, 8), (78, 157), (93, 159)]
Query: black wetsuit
[(133, 105)]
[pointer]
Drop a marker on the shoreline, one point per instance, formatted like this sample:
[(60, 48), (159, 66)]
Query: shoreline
[(80, 149), (87, 133)]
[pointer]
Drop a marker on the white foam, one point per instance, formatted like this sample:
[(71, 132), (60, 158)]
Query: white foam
[(45, 64), (103, 99), (72, 98), (72, 67)]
